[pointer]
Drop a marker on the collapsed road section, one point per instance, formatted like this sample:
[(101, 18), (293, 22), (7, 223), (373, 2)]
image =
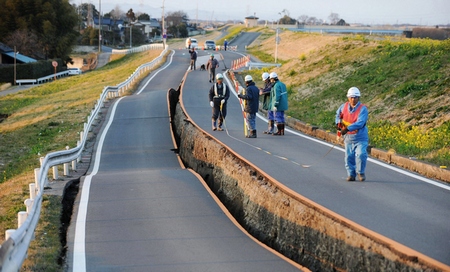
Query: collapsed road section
[(302, 230)]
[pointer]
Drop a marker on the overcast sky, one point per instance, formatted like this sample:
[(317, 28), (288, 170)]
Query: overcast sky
[(420, 12)]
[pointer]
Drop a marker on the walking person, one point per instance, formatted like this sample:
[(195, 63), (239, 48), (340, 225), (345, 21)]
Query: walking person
[(351, 120), (218, 97), (225, 44), (278, 102), (211, 67), (193, 58), (265, 91), (252, 105)]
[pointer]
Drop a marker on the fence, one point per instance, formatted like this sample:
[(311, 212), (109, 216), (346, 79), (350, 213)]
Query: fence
[(240, 62), (13, 250)]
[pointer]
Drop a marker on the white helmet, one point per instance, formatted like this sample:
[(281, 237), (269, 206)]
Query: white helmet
[(248, 78), (353, 91), (219, 76), (273, 75), (265, 76)]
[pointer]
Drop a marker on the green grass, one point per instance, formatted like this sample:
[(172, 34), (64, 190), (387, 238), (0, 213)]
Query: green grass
[(403, 82)]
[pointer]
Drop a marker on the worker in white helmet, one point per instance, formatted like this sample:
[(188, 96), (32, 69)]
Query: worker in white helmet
[(252, 105), (265, 91), (218, 97), (351, 122), (278, 102)]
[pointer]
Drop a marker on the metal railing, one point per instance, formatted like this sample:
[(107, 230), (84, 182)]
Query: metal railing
[(13, 250)]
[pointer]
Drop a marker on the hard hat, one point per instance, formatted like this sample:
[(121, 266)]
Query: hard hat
[(219, 76), (248, 78), (273, 75), (265, 76), (212, 55), (353, 91)]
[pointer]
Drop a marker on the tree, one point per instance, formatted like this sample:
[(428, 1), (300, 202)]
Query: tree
[(131, 16), (334, 18), (52, 21), (302, 19), (144, 16), (176, 23)]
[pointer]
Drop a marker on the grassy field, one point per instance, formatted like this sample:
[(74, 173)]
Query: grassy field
[(404, 82)]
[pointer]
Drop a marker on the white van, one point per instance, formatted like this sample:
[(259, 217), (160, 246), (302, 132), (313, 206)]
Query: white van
[(194, 43)]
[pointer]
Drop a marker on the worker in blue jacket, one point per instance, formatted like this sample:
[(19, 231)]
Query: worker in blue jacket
[(351, 122), (278, 102), (252, 106)]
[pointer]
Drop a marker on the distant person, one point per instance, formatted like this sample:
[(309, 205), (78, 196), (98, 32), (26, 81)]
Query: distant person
[(278, 102), (218, 97), (193, 58), (351, 120), (252, 105), (265, 91), (225, 44), (211, 67)]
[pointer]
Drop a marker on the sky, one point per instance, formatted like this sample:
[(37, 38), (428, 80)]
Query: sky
[(373, 12)]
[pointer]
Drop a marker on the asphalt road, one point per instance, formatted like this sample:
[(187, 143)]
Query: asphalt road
[(407, 208), (135, 220), (140, 211)]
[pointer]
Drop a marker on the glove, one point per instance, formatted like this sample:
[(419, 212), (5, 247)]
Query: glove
[(222, 102), (274, 108), (344, 131), (338, 126), (240, 91), (211, 104)]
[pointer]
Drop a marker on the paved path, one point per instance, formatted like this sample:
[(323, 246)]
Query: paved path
[(138, 210)]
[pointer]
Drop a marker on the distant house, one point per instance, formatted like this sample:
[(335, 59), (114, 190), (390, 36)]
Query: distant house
[(149, 26), (7, 56), (108, 24), (251, 21)]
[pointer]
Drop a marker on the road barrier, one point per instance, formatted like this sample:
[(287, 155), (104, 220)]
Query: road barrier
[(13, 250)]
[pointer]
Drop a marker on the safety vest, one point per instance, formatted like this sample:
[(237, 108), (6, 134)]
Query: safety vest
[(349, 118), (224, 91)]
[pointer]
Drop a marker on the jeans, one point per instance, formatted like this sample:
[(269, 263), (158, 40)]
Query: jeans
[(355, 157), (251, 120)]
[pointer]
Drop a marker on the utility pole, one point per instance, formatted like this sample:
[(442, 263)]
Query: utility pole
[(99, 26), (163, 34), (15, 52)]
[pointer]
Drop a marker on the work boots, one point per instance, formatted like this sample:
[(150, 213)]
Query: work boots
[(280, 131), (252, 134), (214, 126), (270, 127)]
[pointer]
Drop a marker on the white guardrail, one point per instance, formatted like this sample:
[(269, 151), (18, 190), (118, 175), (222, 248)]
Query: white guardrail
[(13, 250)]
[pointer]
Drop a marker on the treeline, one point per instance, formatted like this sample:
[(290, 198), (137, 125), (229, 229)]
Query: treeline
[(41, 29)]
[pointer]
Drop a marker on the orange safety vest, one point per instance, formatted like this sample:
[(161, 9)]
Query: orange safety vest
[(349, 118)]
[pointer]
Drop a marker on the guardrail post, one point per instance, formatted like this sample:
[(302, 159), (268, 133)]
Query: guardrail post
[(8, 233), (21, 217), (55, 172), (79, 157), (74, 165), (32, 187), (36, 178), (29, 204), (66, 169)]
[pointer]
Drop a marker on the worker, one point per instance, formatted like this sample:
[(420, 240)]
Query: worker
[(351, 121), (252, 105), (278, 102), (193, 54), (225, 44), (265, 91), (218, 97), (211, 67)]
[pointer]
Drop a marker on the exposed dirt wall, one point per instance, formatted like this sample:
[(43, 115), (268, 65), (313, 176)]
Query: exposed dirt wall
[(300, 229)]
